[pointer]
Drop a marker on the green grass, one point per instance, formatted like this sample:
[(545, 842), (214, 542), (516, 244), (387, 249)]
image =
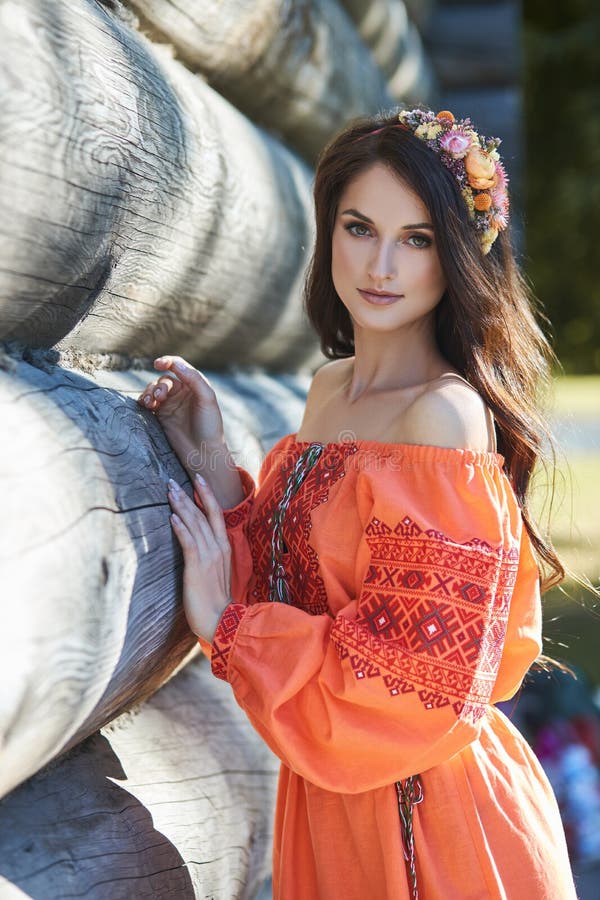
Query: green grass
[(572, 624), (578, 395)]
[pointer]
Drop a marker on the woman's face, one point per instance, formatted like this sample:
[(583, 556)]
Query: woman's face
[(383, 242)]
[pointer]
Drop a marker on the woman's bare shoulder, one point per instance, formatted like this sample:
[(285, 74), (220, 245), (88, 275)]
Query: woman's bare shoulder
[(326, 379), (449, 413)]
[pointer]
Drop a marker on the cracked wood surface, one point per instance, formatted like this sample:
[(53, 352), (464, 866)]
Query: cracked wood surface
[(175, 801), (91, 621), (139, 210)]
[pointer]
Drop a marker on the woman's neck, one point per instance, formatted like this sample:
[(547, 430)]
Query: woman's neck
[(389, 361)]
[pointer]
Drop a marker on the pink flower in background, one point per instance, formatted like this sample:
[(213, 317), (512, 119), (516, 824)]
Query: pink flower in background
[(456, 143)]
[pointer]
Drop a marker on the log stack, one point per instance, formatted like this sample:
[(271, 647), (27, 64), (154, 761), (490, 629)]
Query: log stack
[(91, 626), (155, 197)]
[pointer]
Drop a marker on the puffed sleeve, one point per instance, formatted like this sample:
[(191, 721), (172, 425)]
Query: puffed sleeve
[(400, 679)]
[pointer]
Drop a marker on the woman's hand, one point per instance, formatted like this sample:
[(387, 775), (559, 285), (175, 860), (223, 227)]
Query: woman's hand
[(186, 406), (206, 555)]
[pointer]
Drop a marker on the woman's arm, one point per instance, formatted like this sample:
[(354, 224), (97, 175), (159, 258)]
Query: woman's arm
[(400, 680)]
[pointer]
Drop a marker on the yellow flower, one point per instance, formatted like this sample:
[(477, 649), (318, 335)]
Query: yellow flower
[(487, 239), (428, 131), (468, 197), (481, 170)]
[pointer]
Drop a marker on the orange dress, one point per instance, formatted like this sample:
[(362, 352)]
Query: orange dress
[(385, 597)]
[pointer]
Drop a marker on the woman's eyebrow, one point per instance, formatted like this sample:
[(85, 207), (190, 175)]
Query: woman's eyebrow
[(358, 215)]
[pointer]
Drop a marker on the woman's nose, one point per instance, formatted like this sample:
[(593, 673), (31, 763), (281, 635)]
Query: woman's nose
[(382, 263)]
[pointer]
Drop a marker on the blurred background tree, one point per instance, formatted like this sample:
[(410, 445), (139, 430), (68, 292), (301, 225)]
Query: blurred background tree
[(562, 132)]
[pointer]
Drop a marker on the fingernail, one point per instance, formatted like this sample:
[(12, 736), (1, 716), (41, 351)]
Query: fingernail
[(173, 484), (157, 392), (200, 478), (147, 401)]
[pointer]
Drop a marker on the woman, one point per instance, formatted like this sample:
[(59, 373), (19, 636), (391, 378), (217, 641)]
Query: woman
[(378, 592)]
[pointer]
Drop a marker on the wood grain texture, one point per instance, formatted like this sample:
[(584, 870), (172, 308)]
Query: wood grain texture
[(175, 801), (396, 46), (139, 211), (90, 617), (298, 68)]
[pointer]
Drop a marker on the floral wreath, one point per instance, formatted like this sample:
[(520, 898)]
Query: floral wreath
[(473, 160)]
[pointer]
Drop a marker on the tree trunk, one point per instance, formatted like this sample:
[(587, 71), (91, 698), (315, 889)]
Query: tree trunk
[(299, 68), (173, 801), (140, 212), (91, 620)]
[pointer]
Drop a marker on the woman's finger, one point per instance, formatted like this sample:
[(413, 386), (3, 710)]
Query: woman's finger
[(214, 512), (198, 384), (159, 390), (184, 536), (192, 517)]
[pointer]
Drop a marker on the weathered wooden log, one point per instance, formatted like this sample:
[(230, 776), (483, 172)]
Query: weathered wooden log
[(472, 45), (396, 47), (138, 209), (298, 68), (174, 801), (90, 616)]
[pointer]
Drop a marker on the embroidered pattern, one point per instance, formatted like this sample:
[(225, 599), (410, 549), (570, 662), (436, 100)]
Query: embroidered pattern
[(224, 637), (432, 616), (278, 589), (297, 558)]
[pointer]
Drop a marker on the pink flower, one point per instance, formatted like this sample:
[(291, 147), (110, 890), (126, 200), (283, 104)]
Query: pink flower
[(499, 221), (456, 143), (500, 199), (502, 176)]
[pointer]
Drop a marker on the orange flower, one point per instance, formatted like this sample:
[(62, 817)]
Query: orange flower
[(445, 114), (481, 170), (482, 202)]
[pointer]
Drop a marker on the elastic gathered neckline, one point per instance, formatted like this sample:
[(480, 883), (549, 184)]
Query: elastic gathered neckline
[(416, 452)]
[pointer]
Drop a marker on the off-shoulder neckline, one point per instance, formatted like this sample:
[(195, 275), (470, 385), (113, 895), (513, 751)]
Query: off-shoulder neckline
[(419, 452)]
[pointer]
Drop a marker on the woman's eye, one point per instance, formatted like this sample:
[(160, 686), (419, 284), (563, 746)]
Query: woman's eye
[(354, 228), (421, 240)]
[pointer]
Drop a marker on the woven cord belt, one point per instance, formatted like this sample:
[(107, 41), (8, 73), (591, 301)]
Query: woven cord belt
[(278, 589), (410, 792)]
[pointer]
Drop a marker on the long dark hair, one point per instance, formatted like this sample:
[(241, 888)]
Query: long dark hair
[(486, 322)]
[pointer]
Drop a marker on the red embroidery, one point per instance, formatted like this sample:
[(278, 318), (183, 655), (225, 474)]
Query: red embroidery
[(432, 615), (224, 637), (305, 585), (237, 515), (234, 517)]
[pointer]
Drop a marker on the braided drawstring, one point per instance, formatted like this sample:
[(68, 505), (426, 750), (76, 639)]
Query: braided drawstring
[(278, 589), (410, 792)]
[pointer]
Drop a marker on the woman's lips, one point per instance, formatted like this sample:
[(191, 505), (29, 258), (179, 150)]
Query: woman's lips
[(379, 299)]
